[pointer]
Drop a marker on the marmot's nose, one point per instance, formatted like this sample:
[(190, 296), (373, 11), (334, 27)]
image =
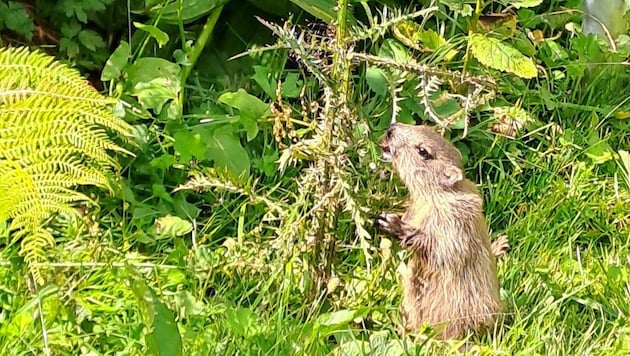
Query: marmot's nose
[(390, 130)]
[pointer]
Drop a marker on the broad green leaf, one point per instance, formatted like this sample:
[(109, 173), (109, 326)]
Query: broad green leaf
[(183, 207), (172, 226), (445, 107), (250, 108), (599, 151), (70, 29), (148, 68), (154, 94), (185, 11), (340, 317), (322, 9), (116, 62), (262, 77), (181, 57), (523, 3), (154, 81), (395, 50), (163, 336), (354, 347), (431, 40), (246, 103), (376, 80), (459, 7), (69, 46), (291, 86), (160, 36), (163, 161), (224, 148), (159, 190), (498, 55), (189, 144)]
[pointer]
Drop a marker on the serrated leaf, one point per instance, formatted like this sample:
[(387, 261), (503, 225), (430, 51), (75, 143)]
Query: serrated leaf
[(91, 40), (498, 55), (18, 20)]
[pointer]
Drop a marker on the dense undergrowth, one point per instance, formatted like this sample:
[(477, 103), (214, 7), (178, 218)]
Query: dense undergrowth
[(243, 223)]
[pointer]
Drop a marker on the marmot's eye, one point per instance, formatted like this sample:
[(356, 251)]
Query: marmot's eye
[(424, 153)]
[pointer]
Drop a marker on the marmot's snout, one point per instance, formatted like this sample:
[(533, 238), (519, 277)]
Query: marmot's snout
[(385, 144)]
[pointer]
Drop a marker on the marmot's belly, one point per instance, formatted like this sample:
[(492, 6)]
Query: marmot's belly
[(454, 305)]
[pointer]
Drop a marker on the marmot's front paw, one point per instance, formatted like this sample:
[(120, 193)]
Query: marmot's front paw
[(392, 224)]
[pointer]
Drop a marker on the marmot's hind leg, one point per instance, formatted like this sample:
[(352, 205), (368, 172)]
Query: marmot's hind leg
[(500, 246)]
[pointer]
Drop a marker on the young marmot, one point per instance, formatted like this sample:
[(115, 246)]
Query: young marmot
[(451, 279)]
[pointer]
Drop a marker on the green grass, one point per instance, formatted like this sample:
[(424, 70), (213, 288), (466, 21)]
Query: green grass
[(245, 283), (565, 281)]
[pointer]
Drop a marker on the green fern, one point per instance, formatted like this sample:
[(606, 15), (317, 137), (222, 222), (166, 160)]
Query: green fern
[(54, 136)]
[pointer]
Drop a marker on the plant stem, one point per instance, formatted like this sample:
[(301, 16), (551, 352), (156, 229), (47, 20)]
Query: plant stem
[(471, 30), (199, 45), (340, 68)]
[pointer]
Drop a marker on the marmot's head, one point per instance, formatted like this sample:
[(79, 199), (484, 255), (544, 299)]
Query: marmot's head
[(422, 158)]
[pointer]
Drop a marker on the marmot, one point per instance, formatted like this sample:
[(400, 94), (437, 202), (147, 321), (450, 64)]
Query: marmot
[(451, 279)]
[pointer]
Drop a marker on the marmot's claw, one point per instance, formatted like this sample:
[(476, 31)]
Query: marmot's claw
[(392, 224), (388, 222)]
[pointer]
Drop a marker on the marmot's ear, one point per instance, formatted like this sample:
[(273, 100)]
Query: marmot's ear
[(451, 175)]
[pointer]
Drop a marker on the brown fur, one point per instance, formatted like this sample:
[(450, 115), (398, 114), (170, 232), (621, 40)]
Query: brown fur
[(451, 279)]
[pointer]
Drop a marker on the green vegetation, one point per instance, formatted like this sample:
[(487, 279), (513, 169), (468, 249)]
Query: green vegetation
[(241, 224)]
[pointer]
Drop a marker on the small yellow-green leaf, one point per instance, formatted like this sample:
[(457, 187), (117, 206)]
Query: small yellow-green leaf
[(172, 226), (525, 3), (160, 36), (498, 55)]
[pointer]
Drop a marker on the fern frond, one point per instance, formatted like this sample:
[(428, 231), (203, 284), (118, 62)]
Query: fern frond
[(34, 245), (54, 135)]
